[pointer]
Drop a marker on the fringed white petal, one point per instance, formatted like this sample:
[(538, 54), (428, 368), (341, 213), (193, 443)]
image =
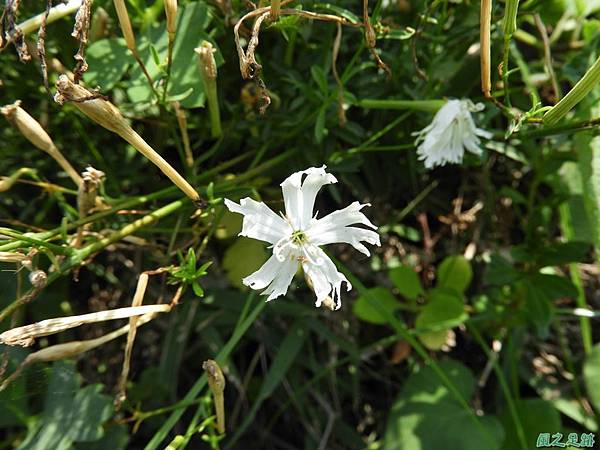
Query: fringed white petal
[(452, 130), (282, 280), (325, 279), (299, 197), (260, 222)]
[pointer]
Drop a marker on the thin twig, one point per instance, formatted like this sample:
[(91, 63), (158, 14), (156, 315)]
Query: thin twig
[(548, 55)]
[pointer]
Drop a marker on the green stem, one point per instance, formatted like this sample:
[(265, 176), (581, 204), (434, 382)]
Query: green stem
[(575, 95), (504, 386), (413, 105)]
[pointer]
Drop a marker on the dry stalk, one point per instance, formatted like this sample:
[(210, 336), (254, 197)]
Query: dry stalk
[(26, 335), (138, 297), (548, 56), (371, 40), (10, 32), (70, 349), (485, 48), (81, 32), (108, 115), (30, 25), (185, 137), (249, 67), (34, 133), (41, 45), (335, 52)]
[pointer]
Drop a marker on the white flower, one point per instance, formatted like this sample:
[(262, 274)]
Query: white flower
[(452, 130), (296, 237)]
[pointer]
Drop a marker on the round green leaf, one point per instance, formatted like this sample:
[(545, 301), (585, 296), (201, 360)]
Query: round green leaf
[(406, 281), (444, 310), (455, 272)]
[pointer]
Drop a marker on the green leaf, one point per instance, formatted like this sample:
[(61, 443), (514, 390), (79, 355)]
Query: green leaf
[(537, 305), (108, 60), (455, 272), (443, 311), (320, 78), (197, 289), (192, 20), (560, 253), (426, 416), (244, 257), (500, 272), (536, 416), (320, 129), (406, 281), (70, 414), (591, 375), (364, 310)]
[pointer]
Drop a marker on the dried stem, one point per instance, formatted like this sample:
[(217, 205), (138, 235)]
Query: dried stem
[(182, 122), (335, 52), (485, 48), (138, 297), (371, 39), (26, 335), (548, 55)]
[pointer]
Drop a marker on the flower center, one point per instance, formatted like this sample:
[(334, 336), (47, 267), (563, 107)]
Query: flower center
[(298, 237)]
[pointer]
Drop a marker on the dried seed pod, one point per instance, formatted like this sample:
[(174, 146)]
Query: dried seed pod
[(34, 133), (108, 115)]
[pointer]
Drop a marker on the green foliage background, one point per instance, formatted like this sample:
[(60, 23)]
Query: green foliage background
[(473, 326)]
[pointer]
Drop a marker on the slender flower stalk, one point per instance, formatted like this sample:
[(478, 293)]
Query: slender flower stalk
[(296, 237), (452, 130), (108, 115), (35, 133), (208, 70)]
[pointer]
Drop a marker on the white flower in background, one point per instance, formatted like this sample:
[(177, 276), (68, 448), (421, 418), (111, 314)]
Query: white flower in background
[(452, 130), (296, 237)]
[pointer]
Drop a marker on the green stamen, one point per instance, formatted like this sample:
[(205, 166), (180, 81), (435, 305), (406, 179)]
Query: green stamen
[(298, 237)]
